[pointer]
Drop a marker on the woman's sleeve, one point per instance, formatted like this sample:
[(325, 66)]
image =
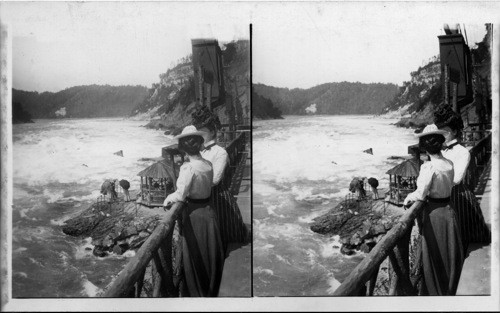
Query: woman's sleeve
[(183, 185), (460, 165), (424, 182), (219, 165)]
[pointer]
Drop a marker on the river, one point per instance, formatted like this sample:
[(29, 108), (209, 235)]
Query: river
[(302, 167), (58, 168)]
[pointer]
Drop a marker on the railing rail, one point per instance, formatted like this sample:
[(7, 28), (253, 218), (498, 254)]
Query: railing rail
[(395, 244)]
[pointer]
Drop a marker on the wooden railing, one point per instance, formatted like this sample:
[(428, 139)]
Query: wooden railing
[(396, 243), (479, 156), (159, 248), (235, 150)]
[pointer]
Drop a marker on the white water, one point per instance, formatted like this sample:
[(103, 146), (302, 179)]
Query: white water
[(302, 167), (58, 169)]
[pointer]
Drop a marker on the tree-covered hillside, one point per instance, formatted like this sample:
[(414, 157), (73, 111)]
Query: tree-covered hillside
[(331, 98), (263, 108), (81, 101)]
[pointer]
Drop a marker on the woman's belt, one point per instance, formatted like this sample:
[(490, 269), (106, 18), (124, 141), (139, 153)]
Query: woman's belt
[(199, 201), (438, 200)]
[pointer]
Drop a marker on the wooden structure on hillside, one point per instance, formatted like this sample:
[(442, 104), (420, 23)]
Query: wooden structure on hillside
[(467, 82), (207, 66), (403, 180)]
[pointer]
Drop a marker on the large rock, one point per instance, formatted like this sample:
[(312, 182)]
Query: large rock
[(358, 223), (114, 227)]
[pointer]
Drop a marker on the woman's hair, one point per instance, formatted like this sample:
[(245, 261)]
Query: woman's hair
[(431, 143), (191, 144), (445, 116), (203, 117)]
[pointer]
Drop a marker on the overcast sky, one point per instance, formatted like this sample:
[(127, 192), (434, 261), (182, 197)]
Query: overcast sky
[(62, 44), (59, 45)]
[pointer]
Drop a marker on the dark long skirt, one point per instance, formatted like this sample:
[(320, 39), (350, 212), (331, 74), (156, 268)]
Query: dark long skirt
[(473, 228), (442, 251), (203, 257), (229, 216)]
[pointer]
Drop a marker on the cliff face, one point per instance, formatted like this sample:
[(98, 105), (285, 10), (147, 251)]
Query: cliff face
[(81, 101), (331, 98), (417, 98), (171, 101)]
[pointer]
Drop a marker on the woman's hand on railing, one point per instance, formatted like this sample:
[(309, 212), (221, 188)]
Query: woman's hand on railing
[(407, 203), (167, 204)]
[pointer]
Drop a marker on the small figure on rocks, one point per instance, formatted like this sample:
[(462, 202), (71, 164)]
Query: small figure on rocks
[(356, 186), (373, 182), (125, 185), (109, 187)]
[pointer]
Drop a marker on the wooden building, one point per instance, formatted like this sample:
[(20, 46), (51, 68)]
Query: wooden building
[(157, 182), (403, 180)]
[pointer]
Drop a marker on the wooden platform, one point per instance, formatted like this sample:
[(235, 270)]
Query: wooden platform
[(476, 273), (236, 279)]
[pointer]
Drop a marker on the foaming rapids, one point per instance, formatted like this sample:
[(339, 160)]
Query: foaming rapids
[(58, 169), (302, 167)]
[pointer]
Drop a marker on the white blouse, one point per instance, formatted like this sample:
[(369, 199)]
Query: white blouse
[(195, 181), (219, 159), (460, 157), (434, 180)]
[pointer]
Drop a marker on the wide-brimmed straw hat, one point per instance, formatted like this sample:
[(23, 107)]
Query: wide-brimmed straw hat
[(189, 130), (431, 130)]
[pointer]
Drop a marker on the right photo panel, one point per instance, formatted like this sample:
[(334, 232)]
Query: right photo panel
[(372, 159)]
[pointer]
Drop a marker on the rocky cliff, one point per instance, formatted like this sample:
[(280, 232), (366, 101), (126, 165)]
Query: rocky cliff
[(417, 98), (331, 98), (170, 102), (81, 101)]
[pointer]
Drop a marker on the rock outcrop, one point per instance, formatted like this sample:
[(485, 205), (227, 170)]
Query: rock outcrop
[(114, 227), (360, 224), (171, 101)]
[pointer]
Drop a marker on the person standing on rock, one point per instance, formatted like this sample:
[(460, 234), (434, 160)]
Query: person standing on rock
[(125, 185), (442, 250), (202, 252), (109, 187), (228, 213), (470, 217), (373, 182)]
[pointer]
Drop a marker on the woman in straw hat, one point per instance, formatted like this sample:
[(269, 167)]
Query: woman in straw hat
[(230, 221), (470, 217), (442, 250), (203, 256)]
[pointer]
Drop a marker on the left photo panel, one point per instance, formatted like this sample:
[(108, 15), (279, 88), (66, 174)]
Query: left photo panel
[(131, 151)]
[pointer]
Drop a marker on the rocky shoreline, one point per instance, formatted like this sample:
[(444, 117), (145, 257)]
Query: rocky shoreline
[(360, 224), (114, 227)]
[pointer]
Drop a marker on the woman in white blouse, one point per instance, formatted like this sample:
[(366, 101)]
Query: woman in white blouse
[(228, 213), (442, 251), (202, 252), (470, 217)]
